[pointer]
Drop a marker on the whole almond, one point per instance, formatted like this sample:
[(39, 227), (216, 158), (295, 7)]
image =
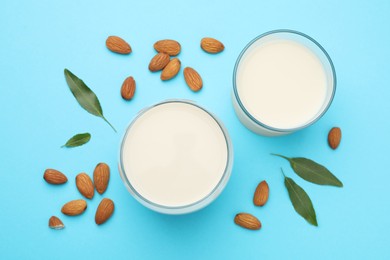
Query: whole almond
[(159, 61), (74, 207), (118, 45), (101, 177), (54, 177), (261, 194), (334, 137), (128, 88), (193, 79), (84, 185), (56, 223), (247, 221), (104, 211), (211, 45), (171, 69), (170, 47)]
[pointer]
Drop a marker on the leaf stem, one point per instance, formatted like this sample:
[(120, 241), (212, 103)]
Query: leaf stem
[(282, 172), (275, 154), (109, 124)]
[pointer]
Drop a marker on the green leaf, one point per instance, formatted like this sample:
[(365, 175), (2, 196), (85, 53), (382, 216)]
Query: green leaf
[(312, 171), (84, 95), (301, 201), (78, 140)]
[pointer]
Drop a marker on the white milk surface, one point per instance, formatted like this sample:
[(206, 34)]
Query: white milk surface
[(282, 83), (174, 154)]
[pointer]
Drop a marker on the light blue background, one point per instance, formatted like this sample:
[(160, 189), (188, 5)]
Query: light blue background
[(38, 114)]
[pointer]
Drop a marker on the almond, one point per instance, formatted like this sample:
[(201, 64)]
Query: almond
[(170, 47), (211, 45), (54, 177), (334, 137), (101, 176), (74, 207), (159, 61), (104, 211), (247, 221), (128, 88), (56, 223), (171, 69), (193, 79), (118, 45), (261, 194), (84, 185)]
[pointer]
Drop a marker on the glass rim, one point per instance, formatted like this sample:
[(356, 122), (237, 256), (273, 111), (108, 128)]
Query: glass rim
[(223, 180), (310, 122)]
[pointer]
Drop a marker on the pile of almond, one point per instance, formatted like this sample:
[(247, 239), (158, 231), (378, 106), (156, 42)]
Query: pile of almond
[(164, 61), (86, 187), (260, 197)]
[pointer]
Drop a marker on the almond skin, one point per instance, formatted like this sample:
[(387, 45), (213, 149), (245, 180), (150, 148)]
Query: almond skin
[(211, 45), (118, 45), (171, 69), (74, 207), (193, 79), (170, 47), (128, 88), (104, 211), (56, 223), (101, 177), (247, 221), (54, 177), (84, 185), (159, 61), (261, 194), (334, 137)]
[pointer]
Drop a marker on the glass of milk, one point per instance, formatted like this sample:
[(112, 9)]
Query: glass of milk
[(175, 157), (283, 81)]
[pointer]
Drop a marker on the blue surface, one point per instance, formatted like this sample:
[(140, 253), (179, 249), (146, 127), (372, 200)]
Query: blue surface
[(41, 38)]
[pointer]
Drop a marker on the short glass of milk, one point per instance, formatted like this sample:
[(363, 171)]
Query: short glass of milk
[(283, 81), (175, 157)]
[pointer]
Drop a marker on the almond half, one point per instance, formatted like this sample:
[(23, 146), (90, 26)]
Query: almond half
[(128, 88), (193, 79), (118, 45), (171, 69), (159, 61), (54, 177), (84, 185), (261, 194), (211, 45), (334, 137), (56, 223), (74, 207), (247, 221), (104, 211), (101, 177), (170, 47)]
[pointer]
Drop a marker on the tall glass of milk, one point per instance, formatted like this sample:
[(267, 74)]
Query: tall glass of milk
[(175, 157), (283, 81)]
